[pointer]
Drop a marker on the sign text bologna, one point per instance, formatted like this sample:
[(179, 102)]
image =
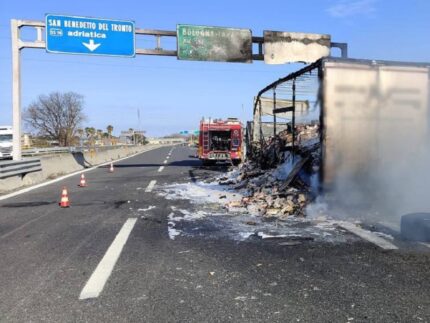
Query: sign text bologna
[(204, 43)]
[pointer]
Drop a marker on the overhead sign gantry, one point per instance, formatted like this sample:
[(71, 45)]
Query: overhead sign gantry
[(94, 36)]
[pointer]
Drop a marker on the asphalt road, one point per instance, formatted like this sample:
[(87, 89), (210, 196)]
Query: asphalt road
[(48, 255)]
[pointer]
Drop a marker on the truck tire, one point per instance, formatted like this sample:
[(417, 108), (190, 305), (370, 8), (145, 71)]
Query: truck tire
[(416, 227)]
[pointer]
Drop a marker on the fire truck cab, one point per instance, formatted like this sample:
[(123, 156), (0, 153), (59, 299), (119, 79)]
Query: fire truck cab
[(220, 140)]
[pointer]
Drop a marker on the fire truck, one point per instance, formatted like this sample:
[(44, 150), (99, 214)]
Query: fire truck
[(220, 140)]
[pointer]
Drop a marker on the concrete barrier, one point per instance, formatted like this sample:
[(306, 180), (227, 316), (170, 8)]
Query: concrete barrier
[(57, 165)]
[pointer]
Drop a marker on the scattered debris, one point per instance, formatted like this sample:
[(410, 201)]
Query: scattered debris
[(263, 235), (251, 223), (276, 182), (171, 230), (147, 208), (269, 197)]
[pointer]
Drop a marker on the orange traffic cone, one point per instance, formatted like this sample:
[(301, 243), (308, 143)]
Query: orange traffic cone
[(111, 168), (64, 198), (83, 181)]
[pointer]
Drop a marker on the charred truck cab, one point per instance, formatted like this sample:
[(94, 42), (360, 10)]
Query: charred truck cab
[(220, 140)]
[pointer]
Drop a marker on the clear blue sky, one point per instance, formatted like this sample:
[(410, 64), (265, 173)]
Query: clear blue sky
[(173, 95)]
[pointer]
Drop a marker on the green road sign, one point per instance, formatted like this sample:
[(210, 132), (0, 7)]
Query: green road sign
[(203, 43)]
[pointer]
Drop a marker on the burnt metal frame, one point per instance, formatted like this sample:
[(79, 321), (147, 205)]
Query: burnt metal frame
[(291, 77)]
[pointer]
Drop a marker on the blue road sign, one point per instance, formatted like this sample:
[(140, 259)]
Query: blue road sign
[(93, 36)]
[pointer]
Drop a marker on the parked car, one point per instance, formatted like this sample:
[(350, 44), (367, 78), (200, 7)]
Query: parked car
[(6, 142)]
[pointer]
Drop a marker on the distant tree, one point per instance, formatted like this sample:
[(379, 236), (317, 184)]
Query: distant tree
[(109, 129), (140, 139), (90, 133), (99, 133), (80, 132), (56, 115)]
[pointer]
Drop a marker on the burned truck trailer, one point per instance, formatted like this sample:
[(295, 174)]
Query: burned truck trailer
[(373, 117), (220, 140)]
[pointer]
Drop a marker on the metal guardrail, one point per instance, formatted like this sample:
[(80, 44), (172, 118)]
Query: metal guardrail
[(60, 150), (9, 168), (43, 151)]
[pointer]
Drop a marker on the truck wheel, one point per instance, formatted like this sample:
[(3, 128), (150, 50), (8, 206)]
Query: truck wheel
[(416, 227)]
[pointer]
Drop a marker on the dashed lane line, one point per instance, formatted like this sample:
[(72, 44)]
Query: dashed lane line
[(160, 169), (368, 235), (98, 279), (165, 162), (150, 186)]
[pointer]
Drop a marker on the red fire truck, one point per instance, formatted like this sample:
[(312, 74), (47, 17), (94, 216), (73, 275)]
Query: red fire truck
[(220, 140)]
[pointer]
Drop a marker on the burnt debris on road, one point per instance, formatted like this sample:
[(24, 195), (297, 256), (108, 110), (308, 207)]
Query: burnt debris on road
[(282, 185)]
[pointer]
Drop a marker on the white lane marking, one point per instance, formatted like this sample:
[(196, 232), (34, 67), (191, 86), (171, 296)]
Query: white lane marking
[(165, 162), (425, 244), (368, 235), (160, 169), (28, 189), (167, 157), (98, 279), (150, 186)]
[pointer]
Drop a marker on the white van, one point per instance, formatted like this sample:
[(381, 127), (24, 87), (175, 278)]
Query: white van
[(5, 142)]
